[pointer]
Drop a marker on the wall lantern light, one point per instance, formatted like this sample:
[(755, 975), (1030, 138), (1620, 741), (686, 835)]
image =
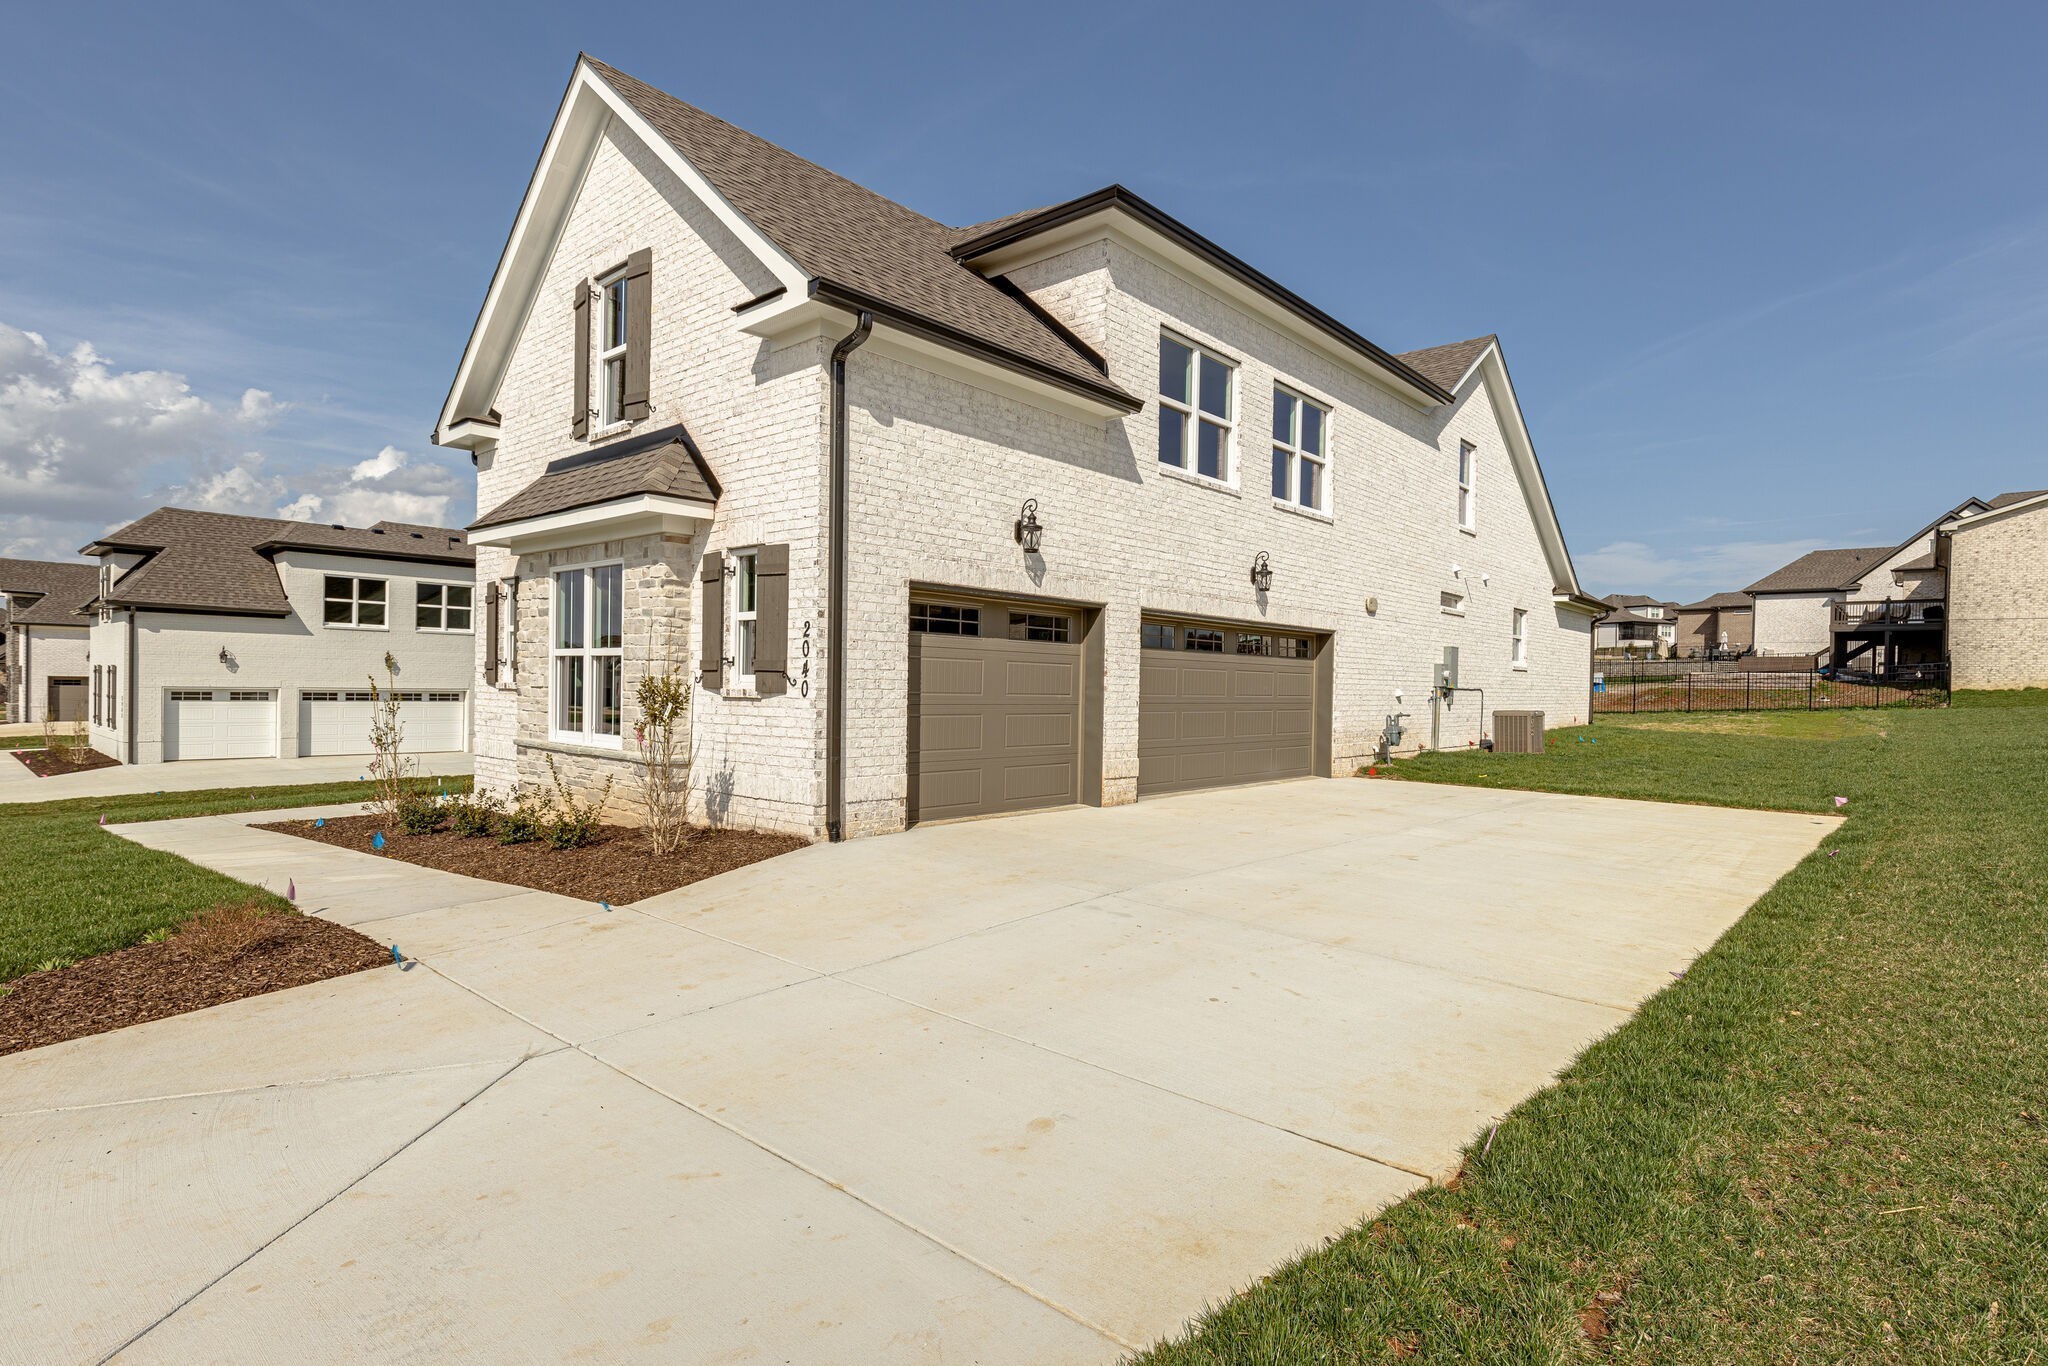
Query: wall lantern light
[(1262, 573), (1028, 531), (225, 657)]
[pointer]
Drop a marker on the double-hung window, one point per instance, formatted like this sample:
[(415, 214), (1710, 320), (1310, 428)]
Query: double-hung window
[(354, 602), (98, 677), (587, 679), (1468, 509), (1301, 455), (1520, 657), (1197, 409), (746, 607), (113, 694), (443, 607), (611, 355)]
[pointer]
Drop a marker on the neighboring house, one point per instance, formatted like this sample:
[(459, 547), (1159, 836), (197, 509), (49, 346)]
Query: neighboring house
[(1071, 507), (1723, 623), (46, 639), (1996, 563), (1634, 624), (222, 637), (1874, 608)]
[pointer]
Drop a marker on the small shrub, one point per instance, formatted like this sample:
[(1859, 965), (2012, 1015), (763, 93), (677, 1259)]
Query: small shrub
[(419, 811), (522, 822), (570, 823), (158, 936), (475, 814), (54, 964)]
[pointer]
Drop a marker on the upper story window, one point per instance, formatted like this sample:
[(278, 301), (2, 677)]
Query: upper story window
[(1653, 612), (746, 608), (1468, 465), (443, 607), (354, 602), (1519, 655), (1301, 457), (588, 677), (611, 354), (1197, 409)]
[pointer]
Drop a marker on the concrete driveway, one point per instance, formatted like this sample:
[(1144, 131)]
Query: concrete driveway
[(1031, 1089), (18, 784)]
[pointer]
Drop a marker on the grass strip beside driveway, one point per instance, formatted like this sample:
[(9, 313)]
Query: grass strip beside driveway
[(72, 890), (1827, 1142)]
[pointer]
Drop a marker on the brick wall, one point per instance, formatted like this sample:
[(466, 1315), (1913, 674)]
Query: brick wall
[(1998, 602)]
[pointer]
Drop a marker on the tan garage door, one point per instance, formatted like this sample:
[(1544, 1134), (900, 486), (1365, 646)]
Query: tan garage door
[(995, 708), (1219, 705)]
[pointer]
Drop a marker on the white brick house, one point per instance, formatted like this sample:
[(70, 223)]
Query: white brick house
[(222, 637), (1258, 534), (1997, 571), (45, 636)]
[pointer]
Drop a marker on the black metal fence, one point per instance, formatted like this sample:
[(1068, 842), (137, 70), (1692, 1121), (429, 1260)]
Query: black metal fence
[(1652, 686)]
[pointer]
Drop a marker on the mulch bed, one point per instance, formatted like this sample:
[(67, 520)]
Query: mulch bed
[(220, 956), (616, 866), (48, 763)]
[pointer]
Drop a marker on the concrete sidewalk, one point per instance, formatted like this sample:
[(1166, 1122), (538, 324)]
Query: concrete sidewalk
[(18, 784), (932, 1096)]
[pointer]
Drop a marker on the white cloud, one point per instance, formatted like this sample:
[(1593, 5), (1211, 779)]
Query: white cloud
[(85, 446), (1686, 573)]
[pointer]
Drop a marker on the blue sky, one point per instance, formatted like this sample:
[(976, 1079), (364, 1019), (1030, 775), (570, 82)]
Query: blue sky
[(1769, 277)]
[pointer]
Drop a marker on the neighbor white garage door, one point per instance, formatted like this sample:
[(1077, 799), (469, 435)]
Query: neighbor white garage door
[(339, 722), (220, 723)]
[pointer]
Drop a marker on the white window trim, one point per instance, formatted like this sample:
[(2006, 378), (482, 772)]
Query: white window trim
[(1468, 488), (1296, 456), (418, 584), (355, 601), (743, 680), (1519, 633), (589, 654), (604, 353), (1191, 441)]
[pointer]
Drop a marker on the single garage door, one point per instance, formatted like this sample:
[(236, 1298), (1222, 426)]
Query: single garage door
[(995, 708), (220, 723), (1219, 705), (338, 721)]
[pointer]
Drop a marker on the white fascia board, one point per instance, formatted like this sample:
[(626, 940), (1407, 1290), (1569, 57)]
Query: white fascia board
[(1135, 236), (1955, 524), (1490, 369), (640, 515), (470, 434), (788, 323), (588, 108)]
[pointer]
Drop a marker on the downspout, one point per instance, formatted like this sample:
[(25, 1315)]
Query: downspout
[(134, 688), (835, 701), (28, 673)]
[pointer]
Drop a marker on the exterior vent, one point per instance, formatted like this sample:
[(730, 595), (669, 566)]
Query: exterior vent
[(1518, 732)]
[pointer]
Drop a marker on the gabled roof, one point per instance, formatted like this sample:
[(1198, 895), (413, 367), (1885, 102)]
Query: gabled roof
[(1824, 571), (665, 463), (219, 562), (2004, 500), (1446, 365), (59, 590), (1719, 602)]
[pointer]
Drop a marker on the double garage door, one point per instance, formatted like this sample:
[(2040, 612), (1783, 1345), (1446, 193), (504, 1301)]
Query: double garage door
[(339, 722), (996, 707)]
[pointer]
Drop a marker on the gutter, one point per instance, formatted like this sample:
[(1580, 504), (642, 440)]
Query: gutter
[(835, 623), (134, 688)]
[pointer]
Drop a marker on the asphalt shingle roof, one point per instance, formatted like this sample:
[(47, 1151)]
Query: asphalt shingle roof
[(220, 562), (665, 463), (1823, 571), (1717, 602), (64, 588), (1445, 365), (847, 235)]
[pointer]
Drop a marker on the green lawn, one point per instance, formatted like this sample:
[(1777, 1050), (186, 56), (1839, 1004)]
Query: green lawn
[(71, 890), (1827, 1143)]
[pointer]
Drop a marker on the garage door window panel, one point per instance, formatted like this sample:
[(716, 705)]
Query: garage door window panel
[(354, 604), (944, 619), (588, 673)]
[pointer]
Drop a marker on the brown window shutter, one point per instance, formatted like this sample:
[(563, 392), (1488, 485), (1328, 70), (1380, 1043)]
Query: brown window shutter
[(491, 635), (771, 620), (579, 424), (711, 670), (639, 330)]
